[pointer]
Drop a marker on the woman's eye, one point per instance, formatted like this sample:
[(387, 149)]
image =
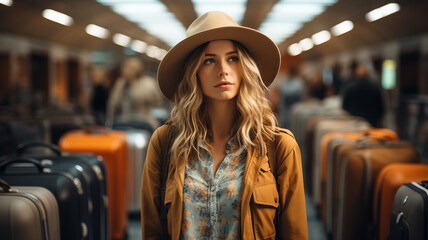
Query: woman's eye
[(209, 61), (233, 59)]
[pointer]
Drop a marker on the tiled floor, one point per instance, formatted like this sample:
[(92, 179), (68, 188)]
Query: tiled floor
[(316, 229), (134, 230), (315, 226)]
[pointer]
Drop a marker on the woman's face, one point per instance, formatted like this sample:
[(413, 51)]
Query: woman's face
[(220, 72)]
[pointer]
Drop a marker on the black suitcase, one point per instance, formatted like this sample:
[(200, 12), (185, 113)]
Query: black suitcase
[(66, 186), (409, 218), (94, 173)]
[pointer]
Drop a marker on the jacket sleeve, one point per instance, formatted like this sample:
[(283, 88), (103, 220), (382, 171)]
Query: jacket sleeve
[(291, 189), (150, 185)]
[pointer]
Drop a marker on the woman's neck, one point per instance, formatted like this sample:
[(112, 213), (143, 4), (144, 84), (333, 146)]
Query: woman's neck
[(222, 115)]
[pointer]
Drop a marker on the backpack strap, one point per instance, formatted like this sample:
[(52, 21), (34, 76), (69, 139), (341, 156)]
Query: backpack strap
[(165, 158)]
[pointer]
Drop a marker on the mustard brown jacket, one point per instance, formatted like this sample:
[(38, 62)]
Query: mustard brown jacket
[(260, 194)]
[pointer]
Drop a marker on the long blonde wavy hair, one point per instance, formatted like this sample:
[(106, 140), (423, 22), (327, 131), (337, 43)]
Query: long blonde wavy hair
[(255, 119)]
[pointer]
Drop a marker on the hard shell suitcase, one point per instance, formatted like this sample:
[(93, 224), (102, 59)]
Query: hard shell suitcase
[(359, 170), (409, 218), (138, 141), (324, 126), (388, 182), (67, 189), (94, 175), (331, 144), (301, 114), (306, 112), (112, 147), (29, 213)]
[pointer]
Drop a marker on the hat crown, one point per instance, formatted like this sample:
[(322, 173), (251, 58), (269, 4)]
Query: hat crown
[(210, 20)]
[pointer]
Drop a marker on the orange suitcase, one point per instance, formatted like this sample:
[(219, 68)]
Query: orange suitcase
[(387, 183), (359, 170), (330, 143), (112, 147)]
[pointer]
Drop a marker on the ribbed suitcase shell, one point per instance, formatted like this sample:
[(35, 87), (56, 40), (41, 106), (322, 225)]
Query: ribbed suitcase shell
[(330, 144), (67, 189), (301, 113), (409, 218), (112, 147), (358, 174), (389, 180), (324, 126), (138, 141), (29, 213)]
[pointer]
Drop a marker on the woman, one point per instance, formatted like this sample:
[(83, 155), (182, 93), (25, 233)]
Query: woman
[(221, 183)]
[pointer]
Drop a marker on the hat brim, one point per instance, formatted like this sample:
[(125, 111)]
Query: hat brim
[(264, 51)]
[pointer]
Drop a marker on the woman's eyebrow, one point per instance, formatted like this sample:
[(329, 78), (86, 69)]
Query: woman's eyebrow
[(213, 55)]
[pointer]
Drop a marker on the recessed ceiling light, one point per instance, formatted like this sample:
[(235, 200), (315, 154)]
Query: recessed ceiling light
[(57, 17)]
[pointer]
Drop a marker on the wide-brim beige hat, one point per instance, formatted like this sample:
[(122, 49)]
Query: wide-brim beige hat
[(215, 26)]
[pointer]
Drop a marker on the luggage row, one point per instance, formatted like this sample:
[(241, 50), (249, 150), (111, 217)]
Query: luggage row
[(86, 187), (365, 182)]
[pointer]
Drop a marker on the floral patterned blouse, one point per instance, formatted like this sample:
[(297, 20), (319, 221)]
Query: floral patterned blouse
[(211, 205)]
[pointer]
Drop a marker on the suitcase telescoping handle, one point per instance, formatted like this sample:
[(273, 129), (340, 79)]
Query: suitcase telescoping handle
[(6, 163), (95, 129), (373, 140), (20, 150)]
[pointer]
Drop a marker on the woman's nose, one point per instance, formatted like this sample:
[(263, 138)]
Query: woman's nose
[(224, 69)]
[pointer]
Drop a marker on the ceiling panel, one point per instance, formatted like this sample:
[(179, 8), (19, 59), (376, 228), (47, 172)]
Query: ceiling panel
[(24, 18)]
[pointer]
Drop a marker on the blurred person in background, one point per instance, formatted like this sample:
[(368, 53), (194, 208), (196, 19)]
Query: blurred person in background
[(291, 92), (316, 88), (100, 92), (134, 95), (232, 173), (363, 97)]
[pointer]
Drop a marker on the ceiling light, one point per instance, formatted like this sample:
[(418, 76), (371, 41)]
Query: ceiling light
[(57, 17), (342, 28), (382, 11), (321, 37), (299, 8), (121, 40), (287, 16), (6, 2), (306, 44), (138, 46), (155, 52), (278, 31), (97, 31), (152, 16), (294, 49), (234, 8)]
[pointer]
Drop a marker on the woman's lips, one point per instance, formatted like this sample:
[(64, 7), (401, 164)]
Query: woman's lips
[(224, 84)]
